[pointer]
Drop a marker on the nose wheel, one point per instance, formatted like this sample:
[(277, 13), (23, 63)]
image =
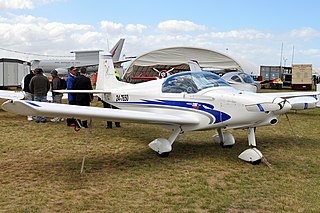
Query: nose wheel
[(251, 155)]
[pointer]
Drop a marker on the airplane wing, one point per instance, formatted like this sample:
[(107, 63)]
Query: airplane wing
[(290, 94), (83, 112), (82, 91), (298, 100), (5, 94)]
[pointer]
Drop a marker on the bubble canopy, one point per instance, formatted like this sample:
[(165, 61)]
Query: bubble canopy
[(192, 82)]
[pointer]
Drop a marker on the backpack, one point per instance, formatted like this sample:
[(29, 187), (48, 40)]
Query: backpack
[(63, 83)]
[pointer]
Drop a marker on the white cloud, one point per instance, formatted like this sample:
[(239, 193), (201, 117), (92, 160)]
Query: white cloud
[(111, 27), (89, 37), (22, 4), (305, 33), (248, 34), (39, 35), (311, 52), (175, 26), (16, 4), (139, 28)]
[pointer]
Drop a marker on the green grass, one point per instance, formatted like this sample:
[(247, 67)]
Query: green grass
[(40, 169)]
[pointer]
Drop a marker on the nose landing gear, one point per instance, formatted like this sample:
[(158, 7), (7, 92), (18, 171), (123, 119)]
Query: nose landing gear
[(251, 155)]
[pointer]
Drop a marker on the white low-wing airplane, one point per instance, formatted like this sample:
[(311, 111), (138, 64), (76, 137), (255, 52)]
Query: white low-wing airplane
[(185, 101), (242, 81)]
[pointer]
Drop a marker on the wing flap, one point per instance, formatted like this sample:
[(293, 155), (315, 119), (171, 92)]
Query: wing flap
[(62, 110)]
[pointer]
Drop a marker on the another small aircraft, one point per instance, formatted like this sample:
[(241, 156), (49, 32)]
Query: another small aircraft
[(87, 58), (185, 101), (161, 74), (242, 81)]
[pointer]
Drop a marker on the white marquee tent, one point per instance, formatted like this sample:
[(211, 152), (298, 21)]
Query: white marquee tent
[(177, 58)]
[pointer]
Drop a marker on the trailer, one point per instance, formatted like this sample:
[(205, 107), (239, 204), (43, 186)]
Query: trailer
[(272, 76), (12, 72), (302, 76)]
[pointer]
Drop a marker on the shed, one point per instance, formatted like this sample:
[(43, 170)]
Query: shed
[(12, 72)]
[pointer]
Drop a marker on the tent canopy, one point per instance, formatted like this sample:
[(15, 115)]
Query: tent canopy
[(177, 58)]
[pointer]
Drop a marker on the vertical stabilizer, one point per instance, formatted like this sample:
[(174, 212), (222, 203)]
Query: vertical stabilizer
[(116, 50), (194, 65), (106, 78)]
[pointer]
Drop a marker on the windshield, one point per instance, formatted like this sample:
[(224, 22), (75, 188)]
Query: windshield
[(192, 82), (246, 78)]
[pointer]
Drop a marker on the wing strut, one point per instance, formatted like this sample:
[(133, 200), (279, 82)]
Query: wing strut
[(86, 146)]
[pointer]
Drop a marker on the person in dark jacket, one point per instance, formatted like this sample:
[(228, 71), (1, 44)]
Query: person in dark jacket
[(39, 87), (82, 82), (27, 93), (56, 97), (71, 97)]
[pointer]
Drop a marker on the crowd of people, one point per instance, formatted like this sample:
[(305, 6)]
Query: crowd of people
[(37, 85)]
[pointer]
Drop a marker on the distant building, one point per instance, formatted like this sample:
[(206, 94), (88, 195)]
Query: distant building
[(12, 72), (299, 76)]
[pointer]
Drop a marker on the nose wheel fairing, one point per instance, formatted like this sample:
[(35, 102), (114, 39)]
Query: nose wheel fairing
[(251, 155)]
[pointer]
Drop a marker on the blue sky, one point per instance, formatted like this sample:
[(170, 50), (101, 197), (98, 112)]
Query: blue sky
[(221, 15), (248, 29)]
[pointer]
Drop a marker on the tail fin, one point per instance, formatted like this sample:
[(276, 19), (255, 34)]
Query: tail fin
[(194, 65), (116, 50), (35, 64), (106, 78)]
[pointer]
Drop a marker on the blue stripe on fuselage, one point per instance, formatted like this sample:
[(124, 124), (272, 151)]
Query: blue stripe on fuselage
[(33, 104), (204, 107)]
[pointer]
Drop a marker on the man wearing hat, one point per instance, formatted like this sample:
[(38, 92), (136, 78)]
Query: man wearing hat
[(71, 97), (39, 87), (56, 97)]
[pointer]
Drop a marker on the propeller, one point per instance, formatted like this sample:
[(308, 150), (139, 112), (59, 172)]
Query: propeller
[(163, 73)]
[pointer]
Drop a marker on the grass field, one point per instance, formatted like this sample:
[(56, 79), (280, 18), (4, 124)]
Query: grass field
[(40, 169)]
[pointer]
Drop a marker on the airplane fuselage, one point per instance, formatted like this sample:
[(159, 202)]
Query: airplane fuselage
[(62, 66), (215, 107)]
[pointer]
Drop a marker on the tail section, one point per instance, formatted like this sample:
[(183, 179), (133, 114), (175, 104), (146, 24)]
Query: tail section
[(106, 78), (194, 65), (35, 64), (116, 50)]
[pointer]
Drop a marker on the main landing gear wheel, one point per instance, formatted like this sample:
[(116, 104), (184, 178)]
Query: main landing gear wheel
[(225, 139), (163, 146), (163, 154)]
